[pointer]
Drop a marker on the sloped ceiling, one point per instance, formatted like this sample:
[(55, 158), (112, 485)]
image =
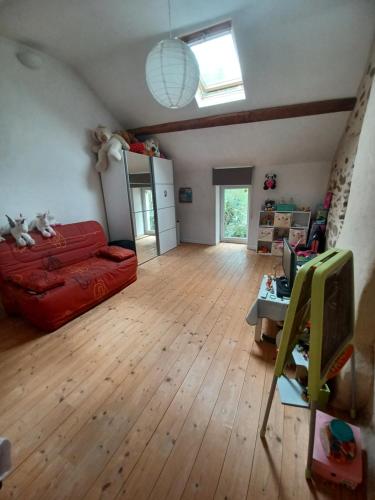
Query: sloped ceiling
[(290, 51)]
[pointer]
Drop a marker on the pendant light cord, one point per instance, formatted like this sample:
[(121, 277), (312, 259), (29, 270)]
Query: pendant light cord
[(170, 21)]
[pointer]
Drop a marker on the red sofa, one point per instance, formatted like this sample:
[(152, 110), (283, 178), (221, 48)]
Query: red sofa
[(61, 277)]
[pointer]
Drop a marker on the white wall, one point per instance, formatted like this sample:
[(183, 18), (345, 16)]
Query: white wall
[(305, 182), (45, 158), (297, 150)]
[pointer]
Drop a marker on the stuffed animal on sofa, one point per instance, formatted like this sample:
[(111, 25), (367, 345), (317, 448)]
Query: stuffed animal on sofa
[(270, 182), (107, 146), (19, 231), (43, 225)]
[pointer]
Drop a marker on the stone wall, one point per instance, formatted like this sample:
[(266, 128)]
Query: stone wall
[(344, 159)]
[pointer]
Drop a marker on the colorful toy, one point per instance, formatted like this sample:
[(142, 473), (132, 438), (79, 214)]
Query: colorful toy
[(107, 146), (43, 225), (19, 231), (129, 137), (348, 470), (138, 147), (152, 147), (269, 205), (270, 182), (327, 200), (269, 283)]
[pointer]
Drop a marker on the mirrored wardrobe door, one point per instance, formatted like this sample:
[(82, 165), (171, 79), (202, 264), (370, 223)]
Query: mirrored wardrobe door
[(142, 206)]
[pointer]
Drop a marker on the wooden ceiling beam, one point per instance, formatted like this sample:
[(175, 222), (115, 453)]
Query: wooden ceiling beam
[(255, 115)]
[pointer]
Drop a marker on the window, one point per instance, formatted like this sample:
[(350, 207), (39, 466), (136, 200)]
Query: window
[(220, 71), (234, 213)]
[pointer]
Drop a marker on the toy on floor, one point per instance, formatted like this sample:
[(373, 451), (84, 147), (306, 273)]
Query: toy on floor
[(19, 231), (43, 225), (337, 454), (107, 146)]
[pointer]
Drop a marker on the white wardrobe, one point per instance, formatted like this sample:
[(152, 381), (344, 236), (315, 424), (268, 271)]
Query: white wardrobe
[(165, 203), (126, 185)]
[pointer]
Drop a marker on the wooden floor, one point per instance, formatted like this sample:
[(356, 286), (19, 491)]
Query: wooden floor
[(156, 393), (146, 248)]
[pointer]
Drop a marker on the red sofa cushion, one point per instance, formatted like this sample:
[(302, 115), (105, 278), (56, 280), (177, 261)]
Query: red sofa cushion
[(87, 283), (117, 254), (38, 281)]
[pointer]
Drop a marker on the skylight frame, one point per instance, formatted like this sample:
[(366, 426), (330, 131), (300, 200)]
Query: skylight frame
[(221, 92)]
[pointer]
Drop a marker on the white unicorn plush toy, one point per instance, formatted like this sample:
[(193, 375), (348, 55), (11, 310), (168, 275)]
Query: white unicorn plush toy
[(3, 230), (42, 223), (18, 229)]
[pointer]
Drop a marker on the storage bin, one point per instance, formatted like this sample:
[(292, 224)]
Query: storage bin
[(277, 248), (285, 207), (297, 236), (283, 219), (265, 233)]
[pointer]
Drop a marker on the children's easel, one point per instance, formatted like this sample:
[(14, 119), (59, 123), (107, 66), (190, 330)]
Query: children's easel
[(323, 293)]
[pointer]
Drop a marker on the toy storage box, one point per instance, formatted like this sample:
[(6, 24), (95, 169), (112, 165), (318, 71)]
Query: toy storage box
[(346, 474), (265, 233), (277, 248), (297, 235), (283, 219)]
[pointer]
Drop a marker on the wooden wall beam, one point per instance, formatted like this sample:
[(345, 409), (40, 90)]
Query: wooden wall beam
[(255, 115)]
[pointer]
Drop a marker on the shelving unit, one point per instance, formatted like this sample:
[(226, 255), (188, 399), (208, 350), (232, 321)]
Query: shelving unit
[(275, 225)]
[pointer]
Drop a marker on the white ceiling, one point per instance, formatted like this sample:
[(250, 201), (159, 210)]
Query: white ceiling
[(290, 50)]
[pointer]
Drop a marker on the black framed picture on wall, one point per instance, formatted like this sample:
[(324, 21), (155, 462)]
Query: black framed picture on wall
[(185, 195)]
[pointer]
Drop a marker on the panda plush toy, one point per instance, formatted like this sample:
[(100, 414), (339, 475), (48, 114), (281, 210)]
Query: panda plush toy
[(270, 182)]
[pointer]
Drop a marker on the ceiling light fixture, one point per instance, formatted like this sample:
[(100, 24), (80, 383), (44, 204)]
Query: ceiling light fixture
[(172, 71)]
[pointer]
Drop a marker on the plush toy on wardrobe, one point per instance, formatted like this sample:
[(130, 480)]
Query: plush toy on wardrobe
[(152, 147), (42, 223), (107, 146), (19, 231)]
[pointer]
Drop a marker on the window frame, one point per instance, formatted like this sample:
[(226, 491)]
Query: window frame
[(207, 92)]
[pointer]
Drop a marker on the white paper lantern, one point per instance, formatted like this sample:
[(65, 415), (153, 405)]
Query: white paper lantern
[(172, 73)]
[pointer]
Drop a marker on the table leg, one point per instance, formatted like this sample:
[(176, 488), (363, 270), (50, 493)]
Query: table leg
[(258, 331)]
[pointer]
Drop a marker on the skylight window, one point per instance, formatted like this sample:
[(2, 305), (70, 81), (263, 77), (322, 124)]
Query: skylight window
[(220, 70)]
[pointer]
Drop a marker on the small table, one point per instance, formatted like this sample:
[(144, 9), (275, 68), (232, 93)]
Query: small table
[(268, 305)]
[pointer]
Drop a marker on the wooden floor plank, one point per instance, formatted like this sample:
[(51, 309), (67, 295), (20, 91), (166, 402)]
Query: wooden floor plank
[(235, 474), (265, 473)]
